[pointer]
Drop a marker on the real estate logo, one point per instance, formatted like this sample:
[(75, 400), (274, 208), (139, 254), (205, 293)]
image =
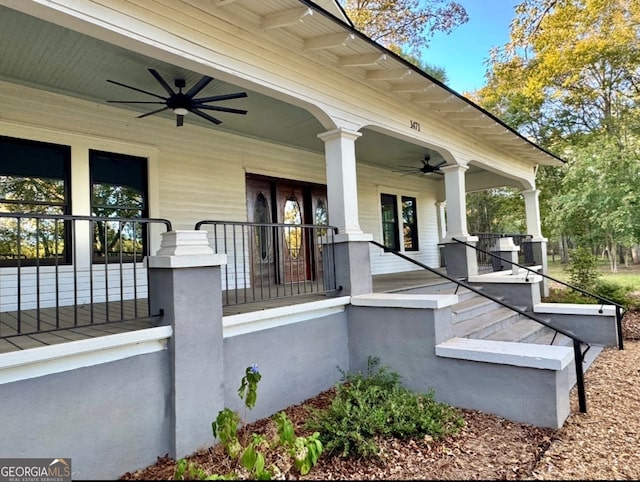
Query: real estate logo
[(35, 470)]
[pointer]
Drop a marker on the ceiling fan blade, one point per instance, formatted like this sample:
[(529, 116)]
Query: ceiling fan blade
[(441, 164), (206, 116), (179, 120), (136, 89), (202, 83), (152, 112), (216, 98), (135, 102), (410, 167), (162, 82), (222, 109)]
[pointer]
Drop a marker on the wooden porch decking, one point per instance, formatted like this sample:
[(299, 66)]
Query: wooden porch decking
[(57, 326)]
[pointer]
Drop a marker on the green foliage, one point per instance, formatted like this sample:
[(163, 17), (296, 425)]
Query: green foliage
[(253, 460), (582, 269), (186, 470), (615, 292), (225, 427), (305, 451), (375, 404), (249, 386)]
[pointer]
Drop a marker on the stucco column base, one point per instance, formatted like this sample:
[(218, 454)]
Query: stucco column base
[(187, 288), (539, 248), (460, 260), (505, 249), (353, 268)]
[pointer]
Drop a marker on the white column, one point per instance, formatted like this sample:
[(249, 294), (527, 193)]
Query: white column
[(342, 187), (455, 192), (442, 220), (532, 213)]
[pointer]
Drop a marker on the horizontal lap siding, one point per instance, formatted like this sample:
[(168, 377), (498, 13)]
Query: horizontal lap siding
[(372, 182), (69, 288)]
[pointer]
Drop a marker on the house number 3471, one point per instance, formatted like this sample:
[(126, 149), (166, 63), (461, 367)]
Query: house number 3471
[(415, 125)]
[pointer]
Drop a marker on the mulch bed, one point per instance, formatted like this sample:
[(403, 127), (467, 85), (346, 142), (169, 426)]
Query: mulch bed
[(599, 444)]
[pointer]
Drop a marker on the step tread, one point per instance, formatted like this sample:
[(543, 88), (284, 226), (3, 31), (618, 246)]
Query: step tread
[(521, 330), (484, 322), (471, 304)]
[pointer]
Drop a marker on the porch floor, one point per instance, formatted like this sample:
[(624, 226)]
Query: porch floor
[(58, 326)]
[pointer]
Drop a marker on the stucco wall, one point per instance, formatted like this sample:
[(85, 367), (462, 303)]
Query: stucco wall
[(108, 418), (297, 361)]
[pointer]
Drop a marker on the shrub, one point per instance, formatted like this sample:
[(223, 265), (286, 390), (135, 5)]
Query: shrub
[(375, 404), (583, 269)]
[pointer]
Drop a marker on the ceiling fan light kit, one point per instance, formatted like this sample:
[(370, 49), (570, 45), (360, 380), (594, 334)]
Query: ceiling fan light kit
[(182, 103)]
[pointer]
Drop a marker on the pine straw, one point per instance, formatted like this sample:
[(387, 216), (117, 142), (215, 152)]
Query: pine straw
[(601, 444)]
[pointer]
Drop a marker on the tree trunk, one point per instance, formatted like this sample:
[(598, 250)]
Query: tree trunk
[(564, 249), (613, 258)]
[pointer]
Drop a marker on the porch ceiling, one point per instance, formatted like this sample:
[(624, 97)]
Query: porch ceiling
[(46, 56)]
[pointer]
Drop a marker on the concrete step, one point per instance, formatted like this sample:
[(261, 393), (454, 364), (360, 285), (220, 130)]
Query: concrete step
[(471, 307), (484, 324), (521, 330), (444, 287)]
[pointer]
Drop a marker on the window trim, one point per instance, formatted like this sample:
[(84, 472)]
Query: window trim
[(93, 154), (415, 245), (386, 200), (65, 151)]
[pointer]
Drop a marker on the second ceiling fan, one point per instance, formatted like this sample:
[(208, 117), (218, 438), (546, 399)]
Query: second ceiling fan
[(426, 168)]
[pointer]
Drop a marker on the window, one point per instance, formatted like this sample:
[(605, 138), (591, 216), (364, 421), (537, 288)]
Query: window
[(409, 224), (118, 190), (390, 221), (34, 179), (293, 235), (262, 233)]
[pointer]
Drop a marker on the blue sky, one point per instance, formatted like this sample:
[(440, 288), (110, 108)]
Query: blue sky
[(463, 52)]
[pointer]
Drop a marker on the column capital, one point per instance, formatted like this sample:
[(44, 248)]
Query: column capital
[(339, 133), (454, 167), (185, 249)]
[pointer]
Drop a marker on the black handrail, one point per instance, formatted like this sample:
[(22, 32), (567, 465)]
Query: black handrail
[(577, 353), (604, 300)]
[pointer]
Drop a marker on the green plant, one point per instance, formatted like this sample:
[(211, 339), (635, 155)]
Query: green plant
[(583, 269), (375, 404), (305, 451), (225, 427), (186, 470)]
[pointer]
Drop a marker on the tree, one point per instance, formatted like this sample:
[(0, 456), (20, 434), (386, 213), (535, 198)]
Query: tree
[(404, 24), (569, 78)]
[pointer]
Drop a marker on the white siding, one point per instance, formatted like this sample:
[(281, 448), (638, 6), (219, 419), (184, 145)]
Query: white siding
[(371, 183)]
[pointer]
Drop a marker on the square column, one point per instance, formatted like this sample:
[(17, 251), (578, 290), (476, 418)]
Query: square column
[(461, 260), (185, 285), (538, 242), (353, 266)]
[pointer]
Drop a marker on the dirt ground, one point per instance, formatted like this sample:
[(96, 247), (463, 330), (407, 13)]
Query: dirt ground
[(601, 444)]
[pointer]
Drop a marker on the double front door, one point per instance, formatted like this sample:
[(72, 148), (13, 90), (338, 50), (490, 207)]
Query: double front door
[(283, 251)]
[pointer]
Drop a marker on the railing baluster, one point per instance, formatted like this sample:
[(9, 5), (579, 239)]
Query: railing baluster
[(284, 271), (49, 280)]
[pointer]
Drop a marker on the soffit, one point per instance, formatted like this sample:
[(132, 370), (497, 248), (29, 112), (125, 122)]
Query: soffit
[(46, 56)]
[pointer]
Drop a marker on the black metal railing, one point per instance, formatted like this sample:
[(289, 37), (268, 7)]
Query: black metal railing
[(61, 272), (486, 241), (620, 310), (577, 342), (267, 261)]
